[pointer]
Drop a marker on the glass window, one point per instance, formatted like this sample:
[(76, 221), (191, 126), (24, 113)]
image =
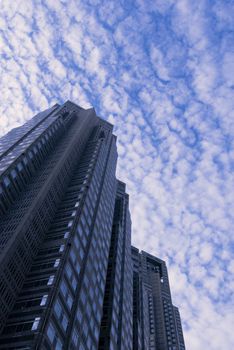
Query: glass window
[(89, 342), (96, 332), (68, 270), (35, 323), (74, 283), (66, 234), (73, 256), (44, 299), (61, 249), (69, 301), (83, 297), (79, 230), (69, 224), (13, 173), (83, 221), (84, 240), (81, 346), (67, 295), (76, 242), (56, 263), (58, 309), (51, 332), (85, 328), (86, 282), (6, 181), (78, 267), (58, 345), (61, 315), (63, 288), (75, 337), (86, 211), (88, 310), (64, 322), (89, 220), (81, 253), (51, 280), (79, 316)]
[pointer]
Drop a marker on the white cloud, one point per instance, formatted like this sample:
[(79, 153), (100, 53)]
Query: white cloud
[(228, 68), (206, 253)]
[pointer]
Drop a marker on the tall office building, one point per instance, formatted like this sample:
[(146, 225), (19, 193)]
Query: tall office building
[(58, 191), (156, 321), (66, 272)]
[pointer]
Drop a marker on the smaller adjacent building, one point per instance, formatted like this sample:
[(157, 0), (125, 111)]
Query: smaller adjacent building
[(156, 321)]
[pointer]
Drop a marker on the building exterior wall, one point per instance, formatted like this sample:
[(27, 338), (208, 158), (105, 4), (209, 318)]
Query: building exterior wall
[(116, 327), (31, 187), (62, 234)]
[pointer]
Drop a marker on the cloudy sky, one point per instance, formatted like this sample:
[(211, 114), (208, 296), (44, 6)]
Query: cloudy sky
[(163, 72)]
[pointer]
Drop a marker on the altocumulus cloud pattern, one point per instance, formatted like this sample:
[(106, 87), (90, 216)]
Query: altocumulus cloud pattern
[(163, 73)]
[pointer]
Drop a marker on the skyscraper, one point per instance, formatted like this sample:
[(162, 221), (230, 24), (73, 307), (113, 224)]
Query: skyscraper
[(57, 202), (66, 272), (156, 321)]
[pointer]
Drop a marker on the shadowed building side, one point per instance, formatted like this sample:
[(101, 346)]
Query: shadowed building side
[(57, 206), (116, 326), (156, 321)]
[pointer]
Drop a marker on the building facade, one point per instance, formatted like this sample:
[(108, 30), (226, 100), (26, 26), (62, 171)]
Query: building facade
[(156, 321), (66, 264), (116, 326), (58, 190)]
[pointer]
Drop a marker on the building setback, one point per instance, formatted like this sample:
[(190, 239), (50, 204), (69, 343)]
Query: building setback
[(116, 325), (66, 271)]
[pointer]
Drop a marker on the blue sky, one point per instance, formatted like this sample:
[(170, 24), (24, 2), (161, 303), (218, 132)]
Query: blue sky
[(163, 73)]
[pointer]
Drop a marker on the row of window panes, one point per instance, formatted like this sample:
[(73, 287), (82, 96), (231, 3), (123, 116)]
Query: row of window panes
[(61, 315), (54, 337), (7, 181), (31, 325), (7, 160), (39, 301), (71, 276), (66, 293)]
